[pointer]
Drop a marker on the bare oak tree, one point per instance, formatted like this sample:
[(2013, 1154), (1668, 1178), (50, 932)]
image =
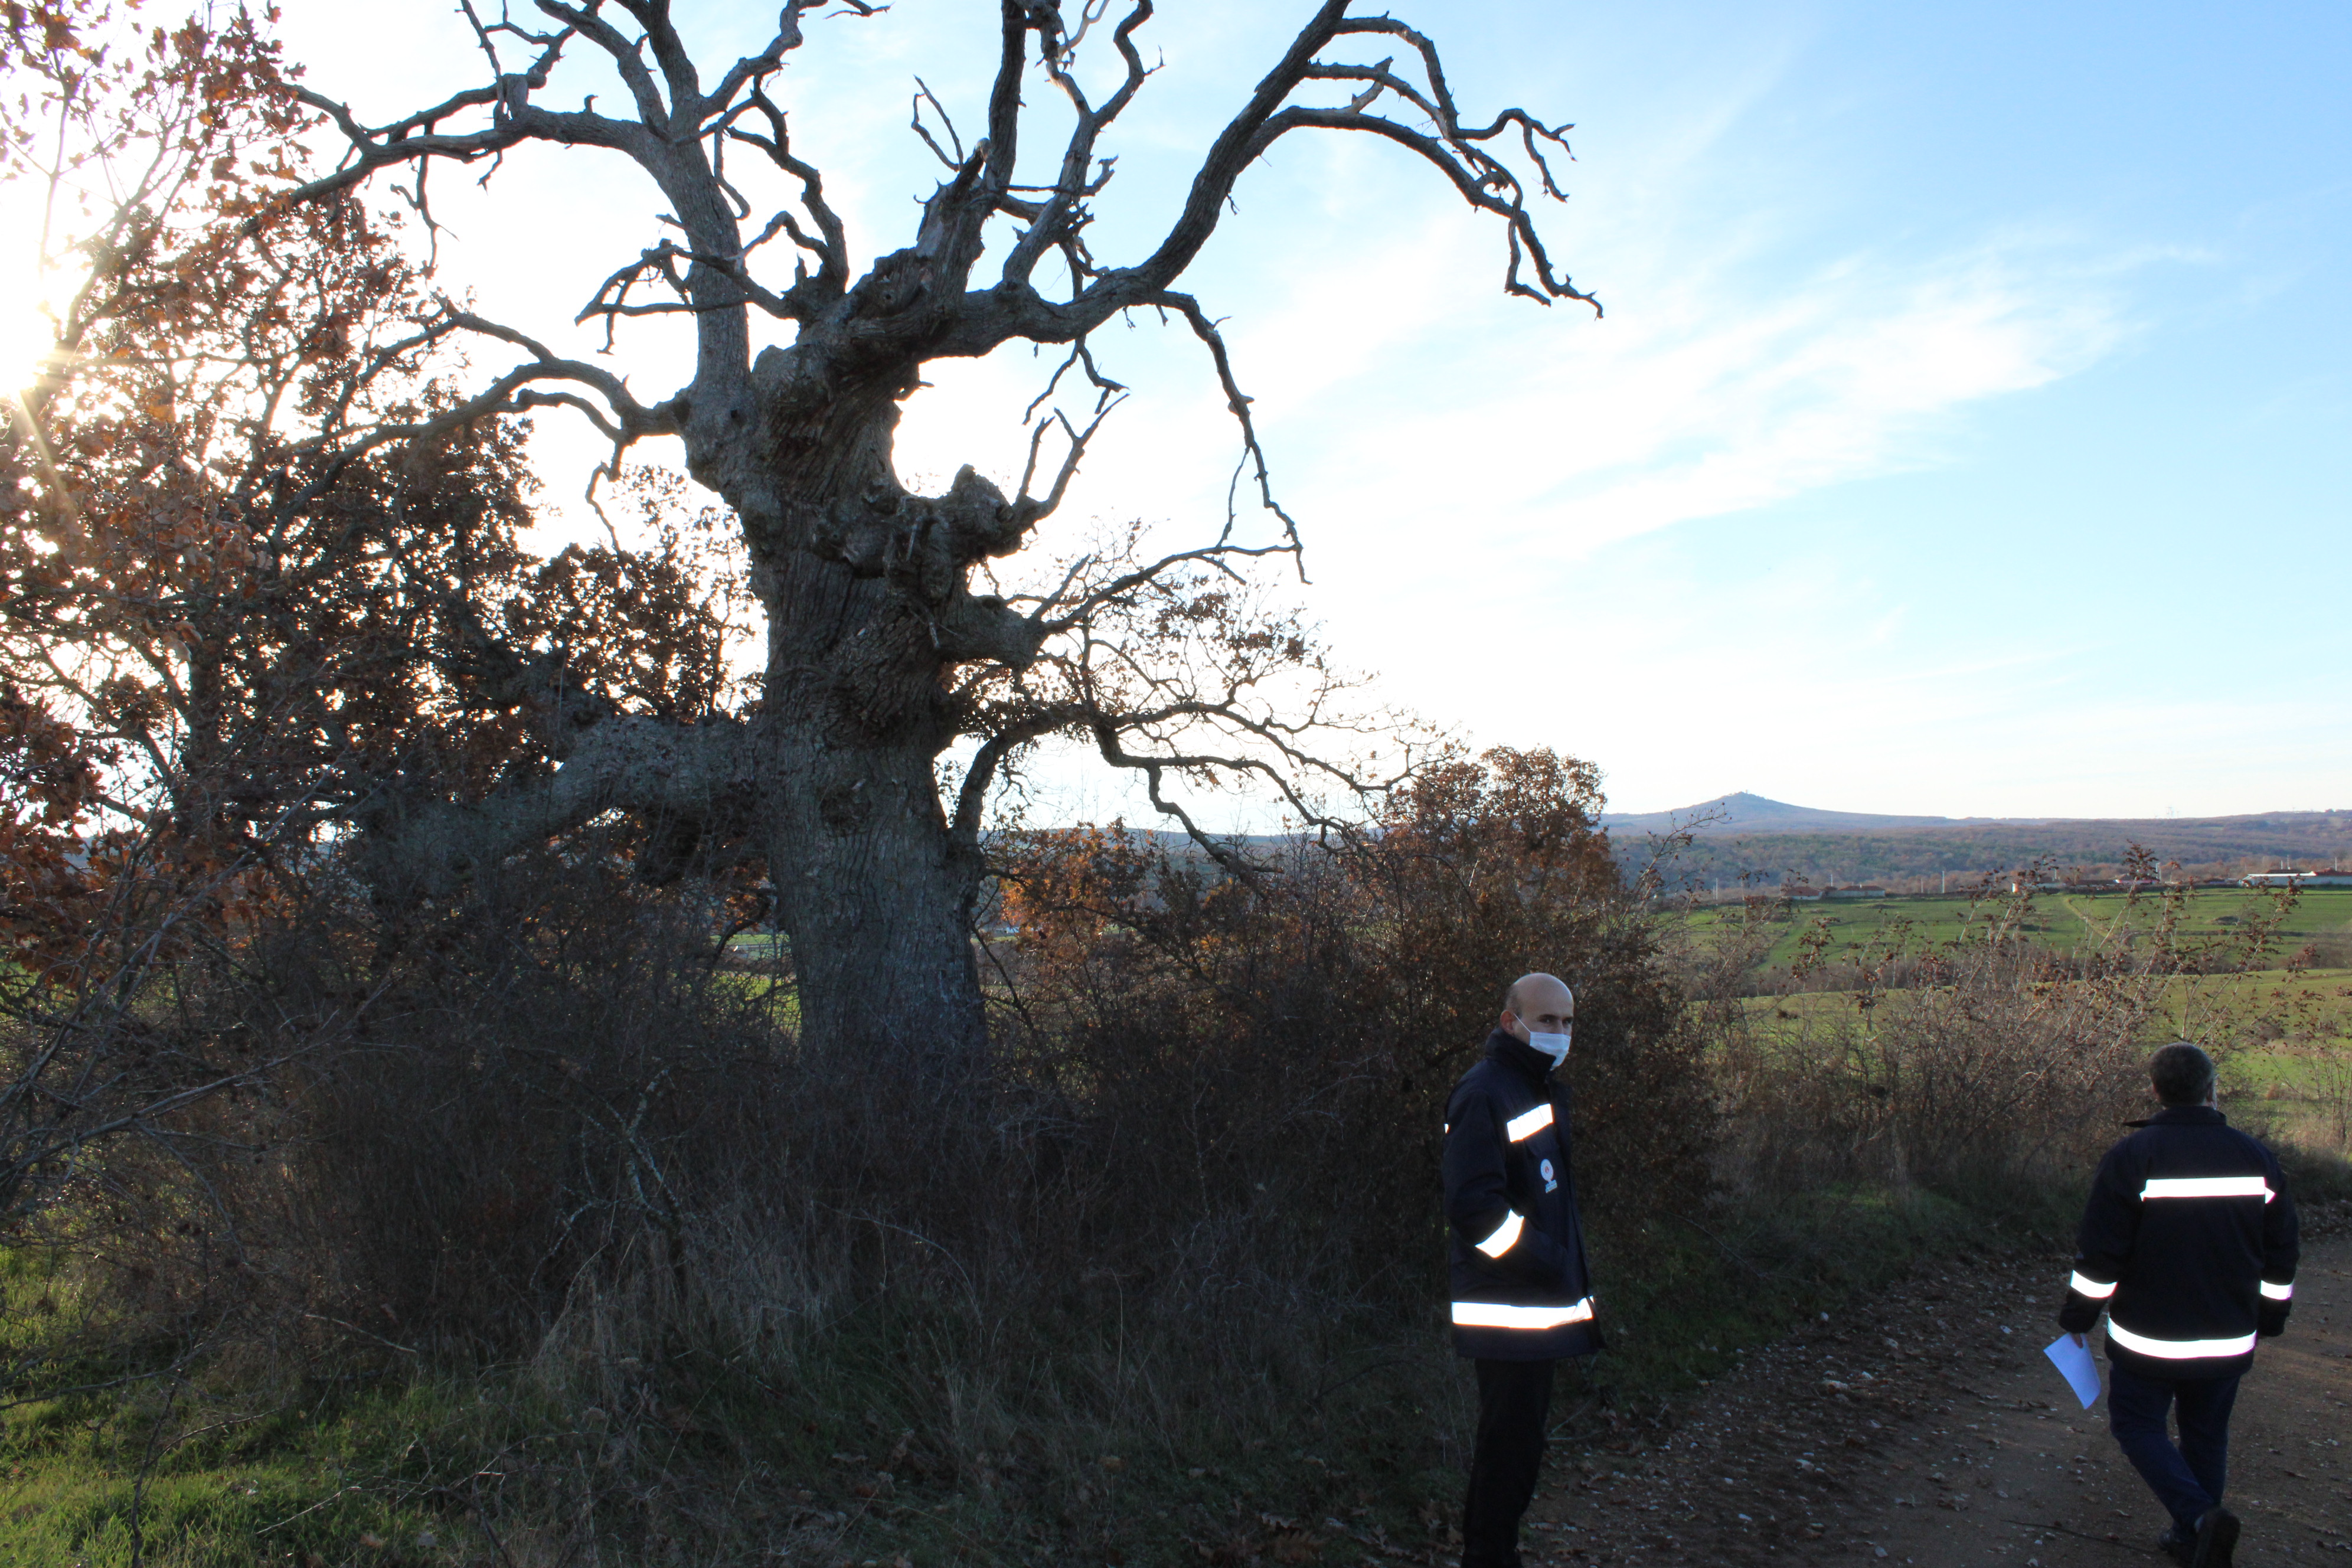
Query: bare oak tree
[(885, 645)]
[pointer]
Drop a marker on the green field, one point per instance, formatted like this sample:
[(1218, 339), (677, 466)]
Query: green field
[(2216, 916), (2310, 1006), (2061, 921)]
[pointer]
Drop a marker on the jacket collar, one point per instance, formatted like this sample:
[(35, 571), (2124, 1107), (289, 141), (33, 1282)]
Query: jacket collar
[(1517, 1053), (2183, 1116)]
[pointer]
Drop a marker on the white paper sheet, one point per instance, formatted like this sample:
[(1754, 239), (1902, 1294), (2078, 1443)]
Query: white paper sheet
[(2075, 1363)]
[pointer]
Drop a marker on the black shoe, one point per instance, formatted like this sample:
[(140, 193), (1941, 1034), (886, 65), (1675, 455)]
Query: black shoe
[(2217, 1539), (2182, 1548)]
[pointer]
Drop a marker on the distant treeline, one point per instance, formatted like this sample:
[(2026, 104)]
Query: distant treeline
[(1957, 855), (2206, 846)]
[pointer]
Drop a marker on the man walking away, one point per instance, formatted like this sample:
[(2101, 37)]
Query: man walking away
[(2189, 1243), (1521, 1298)]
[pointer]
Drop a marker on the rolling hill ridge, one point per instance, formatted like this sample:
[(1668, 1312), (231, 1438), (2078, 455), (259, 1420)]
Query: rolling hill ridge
[(1764, 841)]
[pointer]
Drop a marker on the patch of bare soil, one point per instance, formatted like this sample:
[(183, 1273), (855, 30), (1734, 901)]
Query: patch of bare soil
[(1925, 1427)]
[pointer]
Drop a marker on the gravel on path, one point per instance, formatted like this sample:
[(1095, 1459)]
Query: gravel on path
[(1924, 1426)]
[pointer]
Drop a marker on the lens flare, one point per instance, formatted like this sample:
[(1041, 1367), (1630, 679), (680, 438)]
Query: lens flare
[(24, 340), (26, 335)]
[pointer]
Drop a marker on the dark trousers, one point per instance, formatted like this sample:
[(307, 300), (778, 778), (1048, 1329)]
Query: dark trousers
[(2187, 1479), (1513, 1400)]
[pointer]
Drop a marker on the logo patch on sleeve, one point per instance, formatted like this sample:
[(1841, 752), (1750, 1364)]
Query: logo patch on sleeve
[(1550, 1180)]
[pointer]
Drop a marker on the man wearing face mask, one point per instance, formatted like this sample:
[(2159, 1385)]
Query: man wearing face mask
[(1522, 1299)]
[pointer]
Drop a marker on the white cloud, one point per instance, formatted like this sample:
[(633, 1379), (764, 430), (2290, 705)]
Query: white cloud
[(1696, 399)]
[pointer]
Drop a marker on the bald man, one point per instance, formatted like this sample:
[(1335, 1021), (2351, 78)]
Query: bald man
[(1522, 1299)]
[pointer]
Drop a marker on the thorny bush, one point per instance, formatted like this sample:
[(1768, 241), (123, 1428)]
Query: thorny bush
[(1986, 1066), (1286, 1042)]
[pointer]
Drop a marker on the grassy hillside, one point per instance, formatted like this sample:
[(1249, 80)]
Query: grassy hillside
[(2321, 917), (2304, 839), (2316, 1003)]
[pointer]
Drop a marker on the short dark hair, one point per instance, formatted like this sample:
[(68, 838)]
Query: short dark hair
[(2182, 1074)]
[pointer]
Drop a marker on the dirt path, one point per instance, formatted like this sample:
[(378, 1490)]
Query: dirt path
[(1926, 1428)]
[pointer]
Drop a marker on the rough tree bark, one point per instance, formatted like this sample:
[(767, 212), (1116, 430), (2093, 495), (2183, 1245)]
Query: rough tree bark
[(882, 644)]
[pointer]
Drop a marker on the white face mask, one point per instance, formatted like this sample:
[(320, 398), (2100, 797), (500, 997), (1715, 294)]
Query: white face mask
[(1553, 1045)]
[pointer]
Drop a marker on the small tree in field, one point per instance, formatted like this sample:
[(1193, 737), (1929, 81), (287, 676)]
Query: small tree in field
[(887, 645)]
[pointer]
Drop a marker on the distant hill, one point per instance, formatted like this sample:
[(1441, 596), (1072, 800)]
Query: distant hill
[(1746, 813)]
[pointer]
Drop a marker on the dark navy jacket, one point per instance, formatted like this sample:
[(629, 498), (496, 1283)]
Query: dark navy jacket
[(1520, 1289), (2189, 1243)]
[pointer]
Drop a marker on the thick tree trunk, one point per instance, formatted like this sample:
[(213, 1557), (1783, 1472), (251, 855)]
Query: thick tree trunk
[(876, 899), (873, 891)]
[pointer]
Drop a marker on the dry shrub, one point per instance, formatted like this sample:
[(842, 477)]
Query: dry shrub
[(528, 1098), (1296, 1034), (419, 1133), (1209, 1090), (1983, 1068), (2330, 1088), (1986, 1067)]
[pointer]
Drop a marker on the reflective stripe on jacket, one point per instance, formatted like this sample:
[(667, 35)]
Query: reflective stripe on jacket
[(2188, 1243), (1520, 1290)]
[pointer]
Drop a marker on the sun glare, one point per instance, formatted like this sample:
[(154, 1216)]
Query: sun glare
[(24, 333), (24, 339)]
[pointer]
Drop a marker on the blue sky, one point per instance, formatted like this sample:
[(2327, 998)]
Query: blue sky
[(2099, 579), (1969, 430)]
